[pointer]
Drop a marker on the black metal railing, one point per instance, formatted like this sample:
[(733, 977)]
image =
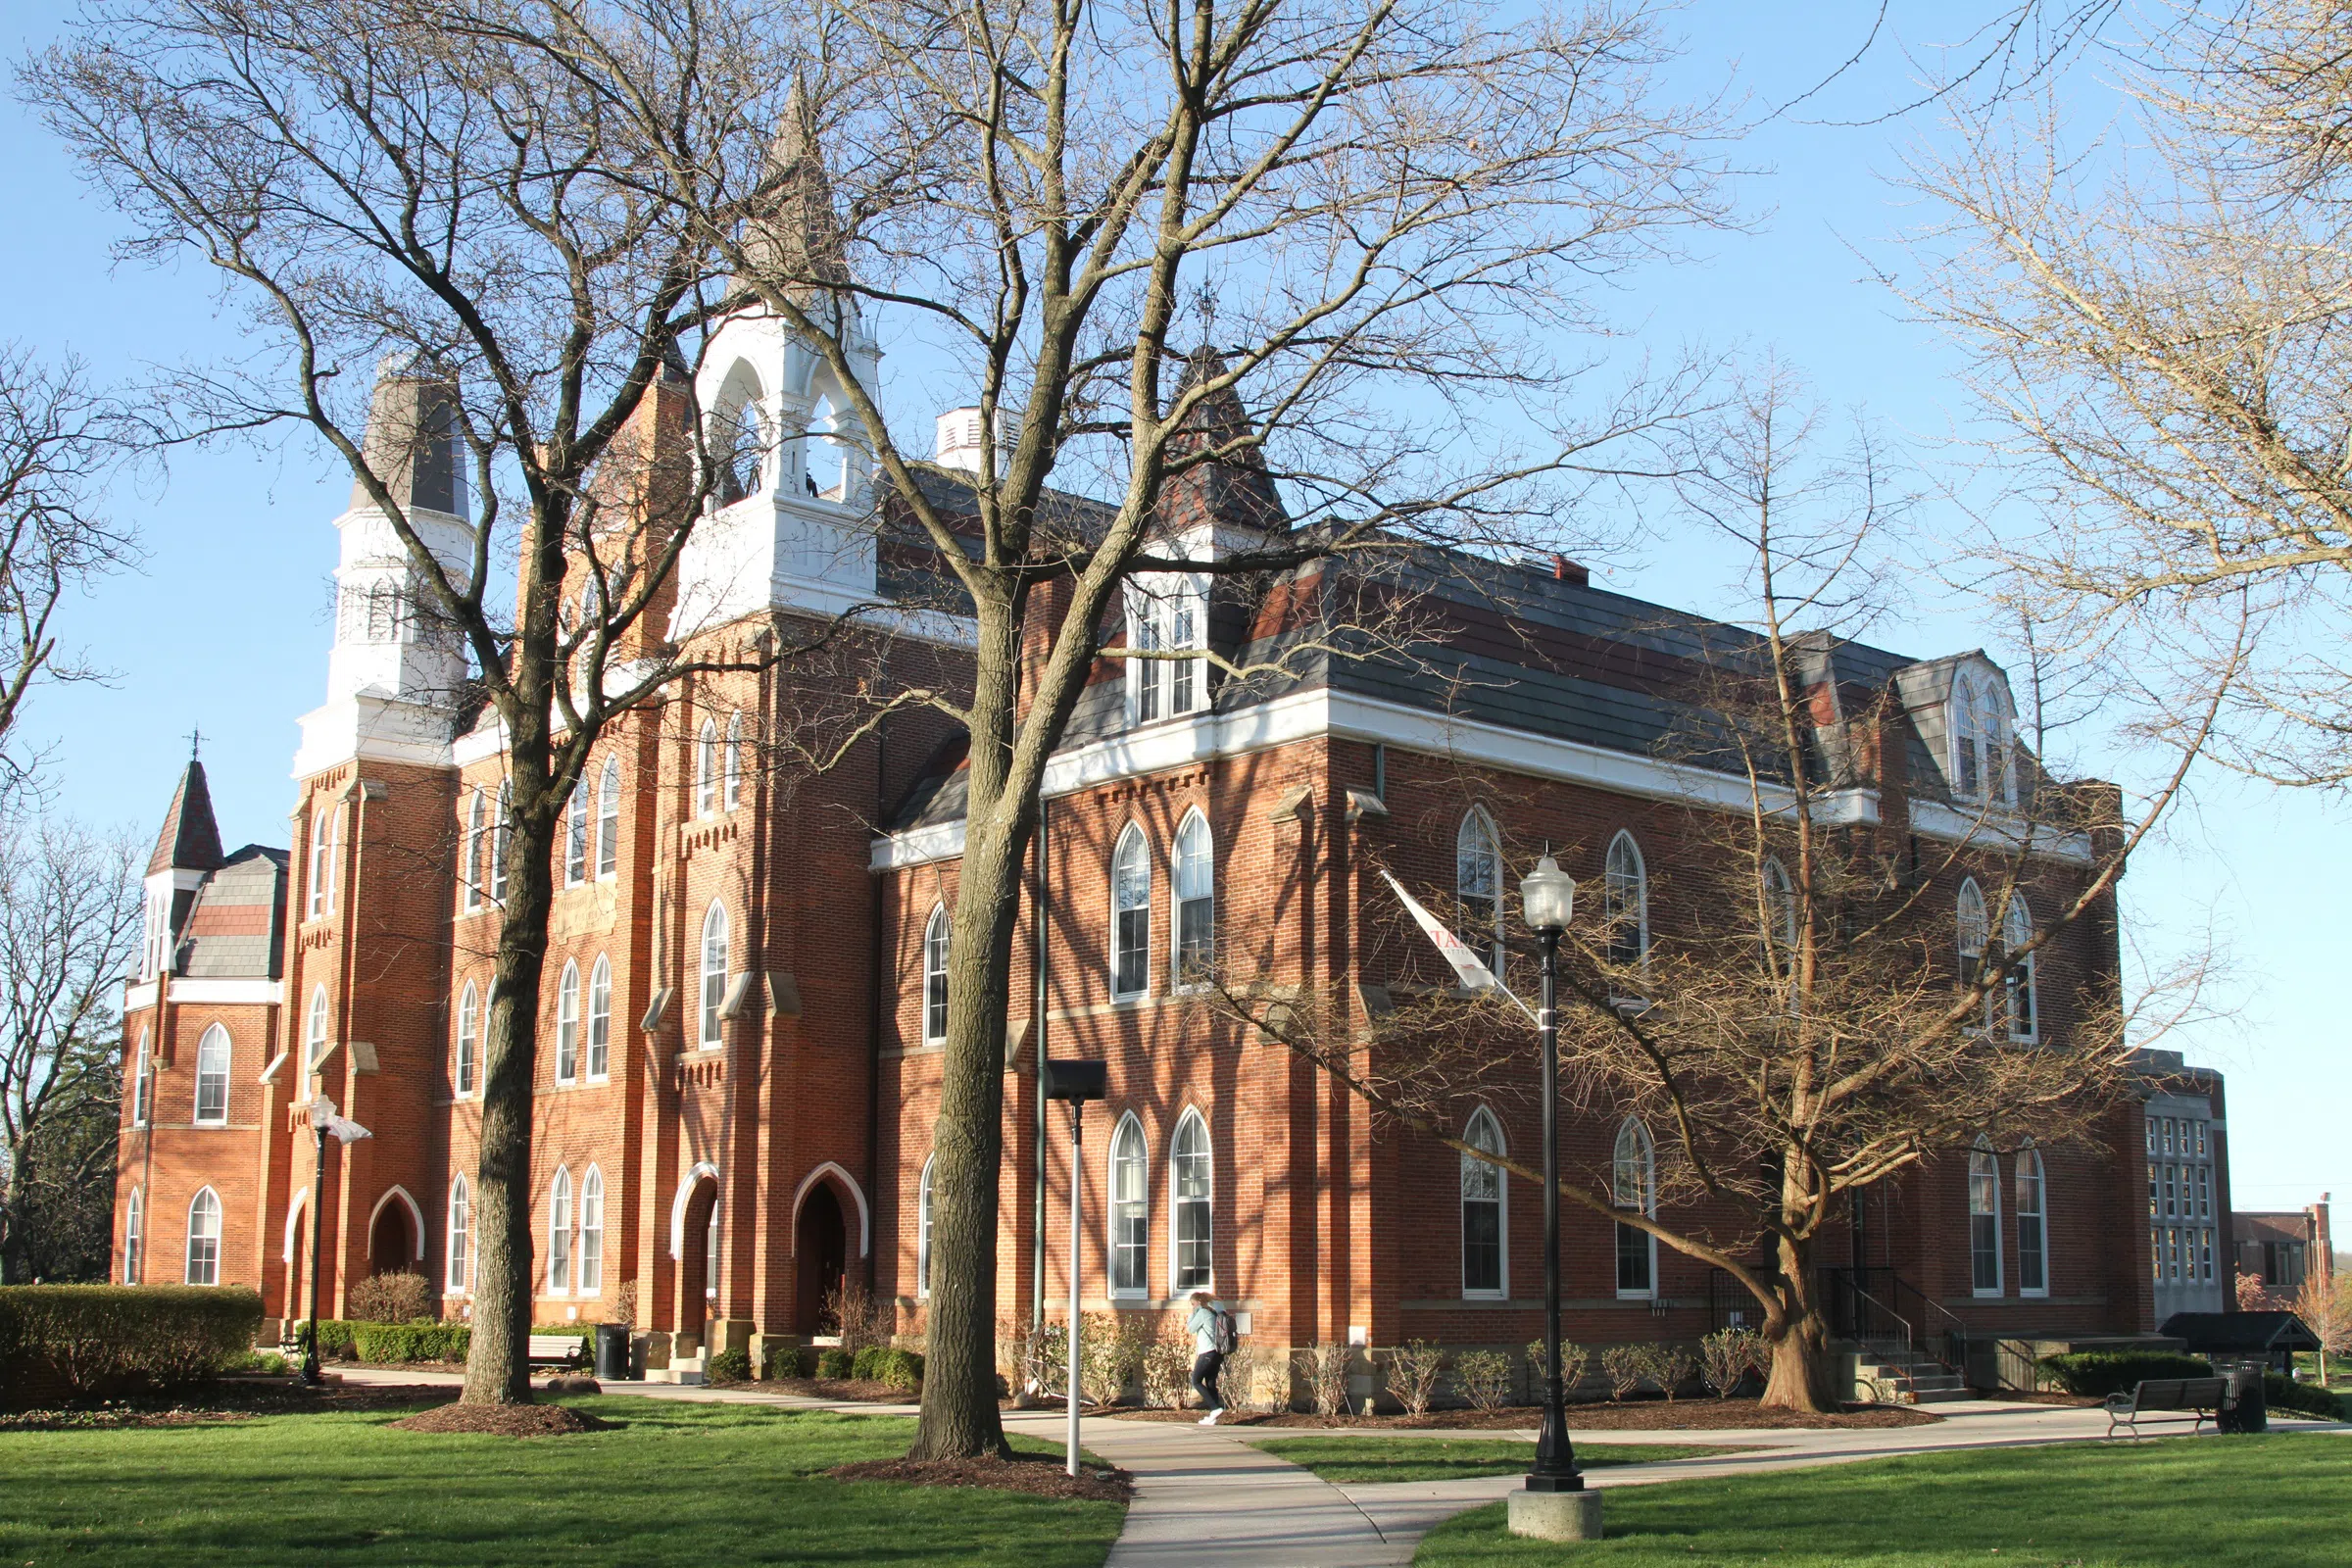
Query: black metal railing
[(1878, 1307)]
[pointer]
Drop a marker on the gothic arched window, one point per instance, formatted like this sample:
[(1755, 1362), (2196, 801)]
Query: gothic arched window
[(599, 1021), (470, 1040), (1196, 875), (715, 972), (608, 820), (559, 1233), (322, 860), (2032, 1224), (1635, 1187), (313, 1035), (567, 1023), (1626, 900), (204, 1238), (1131, 914), (1483, 1247), (734, 761), (501, 830), (922, 1232), (1478, 886), (1985, 1219), (477, 845), (592, 1232), (461, 1237), (212, 1078), (575, 833), (135, 1222), (1191, 1178), (706, 770), (1130, 1210), (935, 974), (2024, 1013)]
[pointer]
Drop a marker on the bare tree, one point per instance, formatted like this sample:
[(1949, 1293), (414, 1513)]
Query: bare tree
[(60, 439), (69, 925), (1801, 1024), (2155, 323), (2324, 1302)]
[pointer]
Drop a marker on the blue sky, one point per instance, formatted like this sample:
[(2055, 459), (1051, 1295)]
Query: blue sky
[(226, 627)]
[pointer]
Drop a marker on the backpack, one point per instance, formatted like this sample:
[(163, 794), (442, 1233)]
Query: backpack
[(1221, 1329)]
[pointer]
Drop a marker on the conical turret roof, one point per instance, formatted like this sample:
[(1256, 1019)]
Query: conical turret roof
[(798, 243), (1235, 489), (190, 840)]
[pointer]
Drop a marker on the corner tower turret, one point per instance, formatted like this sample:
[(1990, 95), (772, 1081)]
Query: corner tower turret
[(186, 850)]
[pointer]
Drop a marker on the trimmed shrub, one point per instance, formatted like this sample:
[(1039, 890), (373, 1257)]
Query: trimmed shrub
[(401, 1298), (2095, 1374), (833, 1363), (88, 1341), (1414, 1371), (900, 1370), (728, 1366), (1484, 1378), (1573, 1358), (1625, 1367), (409, 1342), (2282, 1393)]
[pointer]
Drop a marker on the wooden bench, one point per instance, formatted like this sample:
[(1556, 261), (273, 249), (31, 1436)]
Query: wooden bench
[(557, 1350), (2167, 1395)]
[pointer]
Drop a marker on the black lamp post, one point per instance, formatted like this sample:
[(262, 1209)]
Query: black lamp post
[(1548, 897), (323, 1121), (1073, 1083)]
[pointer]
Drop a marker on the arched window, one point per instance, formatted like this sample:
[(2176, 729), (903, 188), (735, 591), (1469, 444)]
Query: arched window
[(470, 1040), (1131, 914), (935, 974), (1779, 920), (567, 1023), (1196, 874), (143, 1087), (706, 770), (1635, 1187), (1984, 755), (461, 1237), (1482, 1218), (322, 859), (135, 1220), (1130, 1210), (743, 451), (922, 1232), (575, 834), (2022, 1003), (608, 820), (1969, 923), (1477, 887), (477, 844), (212, 1078), (314, 1038), (1985, 1219), (204, 1238), (1190, 1179), (734, 761), (599, 1021), (715, 972), (1968, 739), (559, 1233), (2033, 1229), (502, 829), (1626, 895), (592, 1232)]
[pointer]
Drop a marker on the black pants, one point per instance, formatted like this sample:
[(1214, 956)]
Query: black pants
[(1206, 1367)]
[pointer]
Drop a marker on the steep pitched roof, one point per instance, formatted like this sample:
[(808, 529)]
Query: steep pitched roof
[(799, 240), (235, 928), (190, 840)]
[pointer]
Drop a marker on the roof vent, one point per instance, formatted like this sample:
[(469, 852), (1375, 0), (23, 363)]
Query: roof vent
[(959, 440)]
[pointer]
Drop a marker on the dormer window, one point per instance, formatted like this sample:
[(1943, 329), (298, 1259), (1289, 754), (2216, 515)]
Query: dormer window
[(1983, 764), (1164, 615)]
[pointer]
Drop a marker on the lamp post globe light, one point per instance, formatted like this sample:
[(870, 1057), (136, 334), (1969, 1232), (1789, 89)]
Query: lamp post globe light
[(1553, 1504)]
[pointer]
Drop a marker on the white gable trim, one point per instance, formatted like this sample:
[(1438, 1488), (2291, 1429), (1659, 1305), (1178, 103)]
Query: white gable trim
[(701, 1171), (415, 1215), (864, 1220)]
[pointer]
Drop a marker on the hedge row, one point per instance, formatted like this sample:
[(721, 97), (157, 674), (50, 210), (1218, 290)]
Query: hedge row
[(423, 1340), (2099, 1373), (79, 1342), (874, 1363), (2282, 1393)]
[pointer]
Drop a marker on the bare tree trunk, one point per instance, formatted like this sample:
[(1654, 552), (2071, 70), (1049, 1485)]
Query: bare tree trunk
[(1799, 1378)]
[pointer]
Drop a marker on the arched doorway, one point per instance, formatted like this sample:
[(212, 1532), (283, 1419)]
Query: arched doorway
[(392, 1241), (822, 1248), (697, 1256)]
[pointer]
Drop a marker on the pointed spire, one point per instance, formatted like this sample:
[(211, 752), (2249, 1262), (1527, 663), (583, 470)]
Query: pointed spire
[(190, 840), (799, 241), (1235, 490)]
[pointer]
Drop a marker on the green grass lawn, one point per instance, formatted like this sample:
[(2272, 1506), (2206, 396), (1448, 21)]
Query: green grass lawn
[(1353, 1460), (674, 1484), (2277, 1501)]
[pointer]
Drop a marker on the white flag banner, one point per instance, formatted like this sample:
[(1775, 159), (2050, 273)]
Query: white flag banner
[(1474, 974)]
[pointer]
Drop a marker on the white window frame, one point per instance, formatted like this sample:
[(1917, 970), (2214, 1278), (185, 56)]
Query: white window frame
[(923, 1231), (1781, 911), (567, 1023), (597, 1060), (501, 831), (731, 766), (706, 770), (459, 1271), (466, 1079), (560, 1242), (322, 891), (608, 821), (1192, 1119), (1985, 1188), (1972, 935), (142, 1091), (1192, 858), (1130, 1148), (476, 843), (1643, 1166), (1473, 1169), (2032, 1177), (2017, 929), (711, 993), (1614, 883), (134, 1237), (588, 1265), (317, 1025), (1477, 854), (935, 975), (1165, 611), (214, 1042), (211, 1266), (575, 834), (1132, 841)]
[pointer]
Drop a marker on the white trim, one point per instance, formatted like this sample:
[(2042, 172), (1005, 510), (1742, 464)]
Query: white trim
[(865, 1219), (228, 992), (415, 1213), (1110, 1208), (677, 1207), (301, 1197), (1650, 1204), (2041, 1217), (1502, 1205), (1191, 1113), (134, 1001), (922, 1229), (2000, 1264), (1995, 829), (1132, 832), (483, 743)]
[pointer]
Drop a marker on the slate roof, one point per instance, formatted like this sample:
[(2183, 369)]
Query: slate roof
[(2256, 1332), (234, 927), (190, 839)]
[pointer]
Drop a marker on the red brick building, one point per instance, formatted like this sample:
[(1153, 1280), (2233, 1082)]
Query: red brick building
[(738, 1059)]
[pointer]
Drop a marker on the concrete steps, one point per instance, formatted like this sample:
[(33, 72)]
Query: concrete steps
[(685, 1370), (1903, 1377)]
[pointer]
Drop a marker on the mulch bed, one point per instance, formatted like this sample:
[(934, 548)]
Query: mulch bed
[(1641, 1415), (503, 1420), (114, 1416), (229, 1399), (1041, 1475), (863, 1390)]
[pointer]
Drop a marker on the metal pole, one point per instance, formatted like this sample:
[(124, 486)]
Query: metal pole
[(310, 1356), (1077, 1139), (1556, 1457)]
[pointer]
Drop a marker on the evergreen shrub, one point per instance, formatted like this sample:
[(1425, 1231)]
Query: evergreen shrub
[(2095, 1374), (79, 1341)]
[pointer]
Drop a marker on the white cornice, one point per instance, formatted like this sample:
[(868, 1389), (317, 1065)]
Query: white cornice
[(223, 990), (1998, 831)]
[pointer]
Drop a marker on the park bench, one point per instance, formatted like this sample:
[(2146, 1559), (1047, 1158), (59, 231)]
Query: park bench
[(556, 1350), (2167, 1395)]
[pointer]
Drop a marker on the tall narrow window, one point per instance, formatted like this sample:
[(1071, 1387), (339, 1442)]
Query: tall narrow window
[(2017, 932), (575, 834), (715, 972), (1196, 900), (599, 1021), (135, 1220), (1968, 740), (502, 829), (477, 847), (1131, 914), (592, 1232), (461, 1237), (1130, 1210), (204, 1239), (1184, 674), (1626, 890), (734, 761), (470, 1040), (922, 1233), (314, 1042), (1985, 1219), (1972, 931), (1189, 1183), (322, 860), (744, 451), (1477, 887), (212, 1078), (608, 820), (143, 1087), (568, 1024), (1635, 1187), (1779, 921), (559, 1233), (2032, 1231), (1482, 1207), (1146, 678), (706, 770), (935, 974)]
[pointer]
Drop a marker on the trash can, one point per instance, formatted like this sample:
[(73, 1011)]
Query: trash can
[(612, 1351), (2247, 1408)]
